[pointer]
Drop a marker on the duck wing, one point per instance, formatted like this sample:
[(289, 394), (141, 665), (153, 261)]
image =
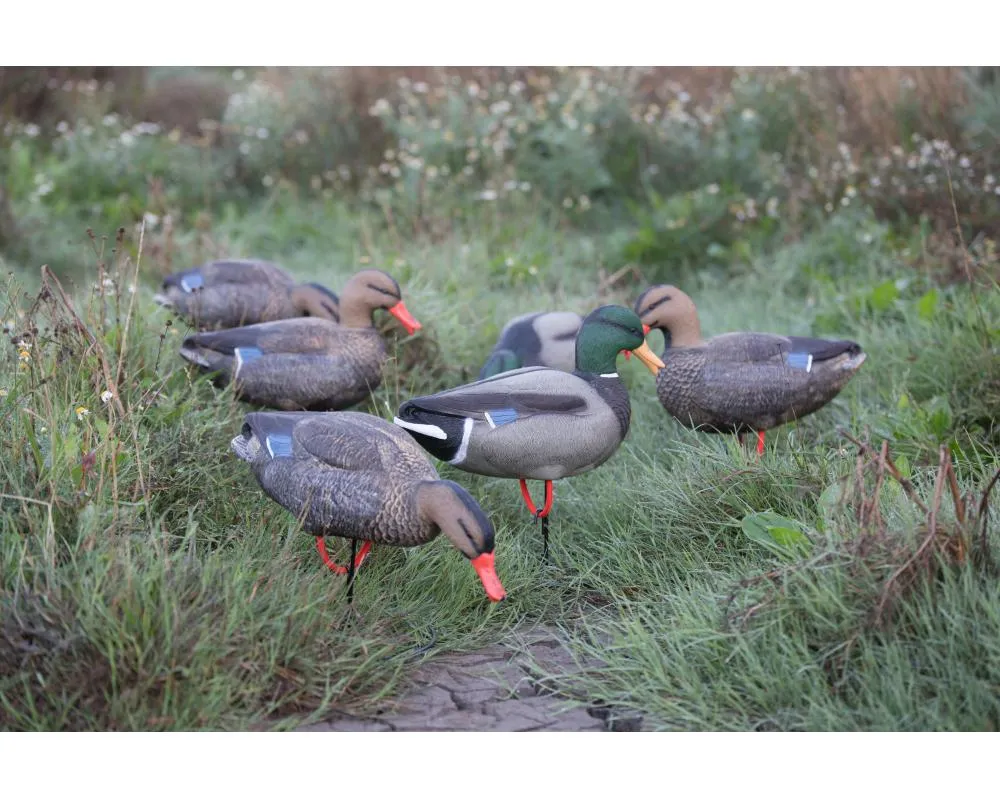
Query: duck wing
[(504, 398), (756, 377), (299, 335)]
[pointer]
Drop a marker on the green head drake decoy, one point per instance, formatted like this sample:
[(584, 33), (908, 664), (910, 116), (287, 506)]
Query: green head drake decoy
[(545, 339), (537, 422), (231, 293), (740, 382), (307, 363), (357, 476)]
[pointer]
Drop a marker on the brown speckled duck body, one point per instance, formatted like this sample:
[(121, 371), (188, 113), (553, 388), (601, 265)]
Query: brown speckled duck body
[(359, 477), (741, 382), (235, 292), (307, 364)]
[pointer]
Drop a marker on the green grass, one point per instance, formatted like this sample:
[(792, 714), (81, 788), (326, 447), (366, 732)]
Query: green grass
[(160, 589)]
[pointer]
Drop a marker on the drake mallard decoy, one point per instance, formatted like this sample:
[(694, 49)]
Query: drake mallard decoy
[(545, 339), (537, 422), (739, 382), (357, 476), (310, 364), (235, 292)]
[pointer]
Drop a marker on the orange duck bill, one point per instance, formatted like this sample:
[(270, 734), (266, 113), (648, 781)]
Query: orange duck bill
[(483, 565), (649, 358), (405, 317)]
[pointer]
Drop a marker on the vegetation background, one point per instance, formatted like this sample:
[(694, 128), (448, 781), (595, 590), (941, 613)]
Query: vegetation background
[(845, 581)]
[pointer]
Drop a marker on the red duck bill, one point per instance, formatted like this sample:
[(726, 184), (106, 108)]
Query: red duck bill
[(484, 566), (408, 321)]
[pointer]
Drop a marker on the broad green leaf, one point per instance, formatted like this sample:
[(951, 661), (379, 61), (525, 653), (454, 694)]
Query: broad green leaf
[(779, 534), (883, 296), (927, 305), (828, 503)]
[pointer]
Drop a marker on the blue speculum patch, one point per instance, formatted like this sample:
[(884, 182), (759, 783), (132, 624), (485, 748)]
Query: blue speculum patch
[(192, 281), (279, 445), (800, 361), (501, 416)]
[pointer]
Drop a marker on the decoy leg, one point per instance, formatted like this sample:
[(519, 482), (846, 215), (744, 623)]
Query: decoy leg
[(760, 443), (336, 568), (350, 571), (332, 565), (543, 513)]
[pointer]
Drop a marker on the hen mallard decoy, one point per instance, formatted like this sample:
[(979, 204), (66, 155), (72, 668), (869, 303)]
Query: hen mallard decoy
[(307, 364), (231, 293), (739, 382), (357, 476), (544, 339), (537, 422)]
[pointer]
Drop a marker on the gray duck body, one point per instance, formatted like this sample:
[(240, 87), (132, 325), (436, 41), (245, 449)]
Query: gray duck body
[(235, 292), (740, 382), (541, 339), (533, 422), (304, 363), (744, 382), (344, 474)]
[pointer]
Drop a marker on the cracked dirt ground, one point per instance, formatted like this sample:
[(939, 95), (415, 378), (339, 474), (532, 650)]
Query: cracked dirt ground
[(492, 689)]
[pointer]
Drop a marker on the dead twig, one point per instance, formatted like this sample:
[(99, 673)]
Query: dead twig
[(50, 281), (908, 487)]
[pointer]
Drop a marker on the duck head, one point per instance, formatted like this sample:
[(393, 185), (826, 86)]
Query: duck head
[(499, 361), (453, 510), (315, 300), (605, 332), (671, 311), (371, 289)]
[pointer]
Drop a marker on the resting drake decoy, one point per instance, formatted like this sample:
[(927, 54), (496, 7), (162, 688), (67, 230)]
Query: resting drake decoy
[(357, 476), (545, 339), (740, 382), (231, 293), (307, 364), (537, 422)]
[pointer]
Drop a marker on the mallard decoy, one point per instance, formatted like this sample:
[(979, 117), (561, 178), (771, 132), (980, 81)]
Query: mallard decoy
[(544, 339), (537, 422), (307, 364), (231, 293), (357, 476), (740, 382)]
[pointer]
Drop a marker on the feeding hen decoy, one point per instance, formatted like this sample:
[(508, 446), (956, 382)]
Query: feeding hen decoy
[(740, 382), (537, 422), (235, 292), (359, 477), (308, 364)]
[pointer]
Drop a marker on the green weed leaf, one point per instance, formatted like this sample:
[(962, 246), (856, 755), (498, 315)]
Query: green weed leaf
[(779, 534)]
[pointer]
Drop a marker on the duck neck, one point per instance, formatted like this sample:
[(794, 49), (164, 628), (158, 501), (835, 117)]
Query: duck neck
[(613, 392), (682, 333), (355, 313), (593, 353)]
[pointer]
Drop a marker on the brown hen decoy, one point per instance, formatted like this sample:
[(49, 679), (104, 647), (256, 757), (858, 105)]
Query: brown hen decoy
[(741, 382), (307, 364), (357, 476), (235, 292)]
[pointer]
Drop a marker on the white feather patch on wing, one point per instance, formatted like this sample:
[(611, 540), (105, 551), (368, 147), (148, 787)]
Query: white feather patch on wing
[(418, 427), (463, 448)]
